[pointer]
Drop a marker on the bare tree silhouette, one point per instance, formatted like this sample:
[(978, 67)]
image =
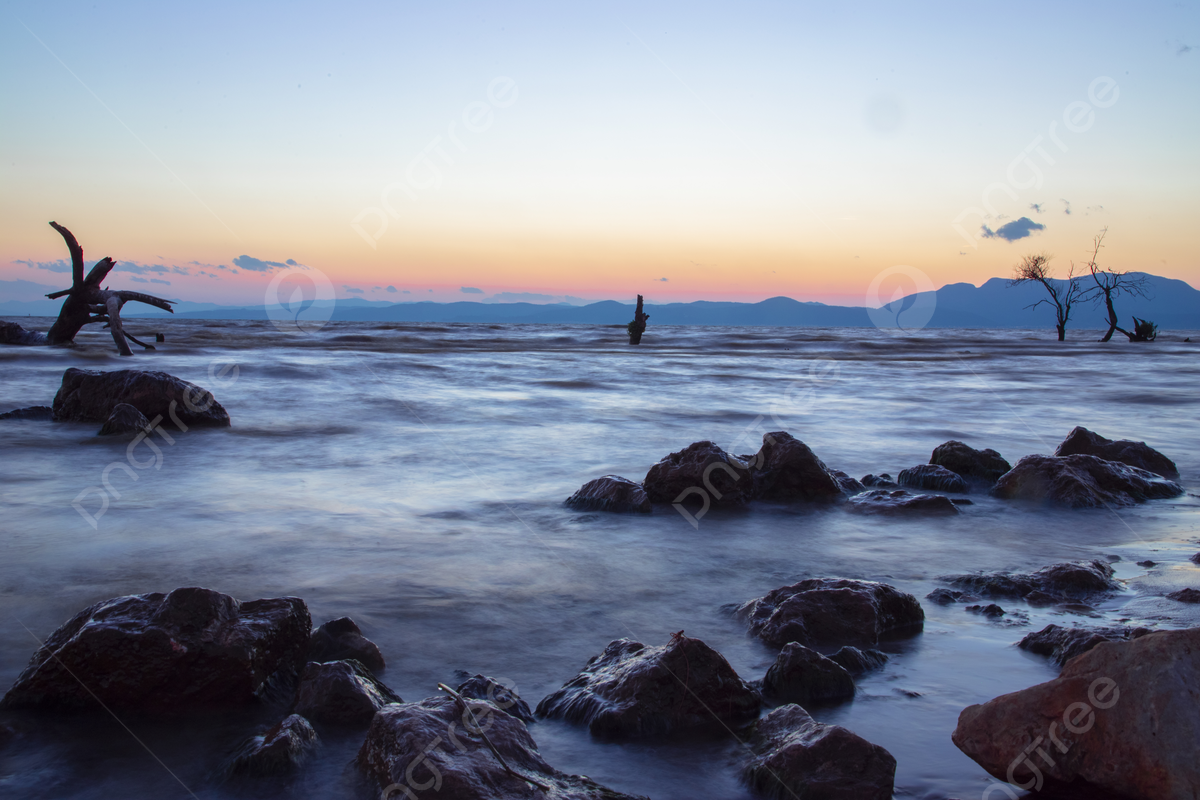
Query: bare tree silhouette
[(1063, 294)]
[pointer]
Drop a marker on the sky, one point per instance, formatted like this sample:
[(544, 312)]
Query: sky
[(833, 152)]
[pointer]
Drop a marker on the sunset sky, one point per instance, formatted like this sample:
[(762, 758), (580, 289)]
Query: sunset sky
[(684, 151)]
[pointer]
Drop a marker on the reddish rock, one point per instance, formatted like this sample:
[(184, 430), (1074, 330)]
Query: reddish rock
[(90, 396), (701, 467), (832, 611), (804, 676), (786, 469), (1082, 481), (1081, 441), (341, 639), (1062, 644), (898, 501), (983, 467), (1124, 717), (611, 493), (341, 693)]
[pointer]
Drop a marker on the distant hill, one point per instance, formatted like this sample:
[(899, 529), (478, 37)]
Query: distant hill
[(1173, 304)]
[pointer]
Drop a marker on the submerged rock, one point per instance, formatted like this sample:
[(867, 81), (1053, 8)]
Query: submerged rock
[(881, 481), (341, 639), (786, 469), (701, 467), (832, 611), (611, 493), (1124, 717), (856, 661), (280, 749), (505, 698), (990, 610), (1081, 441), (632, 690), (946, 597), (161, 653), (124, 419), (1188, 595), (29, 412), (933, 478), (1082, 481), (90, 396), (1055, 583), (1062, 644), (794, 756), (12, 333), (850, 486), (431, 749), (341, 693), (804, 676), (983, 467), (898, 501)]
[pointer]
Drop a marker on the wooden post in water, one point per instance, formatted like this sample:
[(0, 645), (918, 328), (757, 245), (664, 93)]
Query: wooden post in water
[(638, 326)]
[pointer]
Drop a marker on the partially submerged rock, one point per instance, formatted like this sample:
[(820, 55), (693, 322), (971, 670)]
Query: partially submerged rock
[(631, 690), (29, 412), (786, 469), (881, 481), (502, 696), (1062, 644), (933, 478), (341, 639), (989, 610), (832, 611), (341, 693), (12, 333), (278, 750), (1081, 441), (1056, 583), (856, 661), (795, 756), (161, 653), (850, 486), (946, 597), (611, 493), (701, 467), (1082, 481), (1188, 595), (90, 396), (804, 676), (1124, 717), (983, 467), (898, 501), (432, 749), (124, 419)]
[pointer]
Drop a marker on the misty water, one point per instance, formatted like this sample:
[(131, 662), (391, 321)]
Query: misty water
[(413, 477)]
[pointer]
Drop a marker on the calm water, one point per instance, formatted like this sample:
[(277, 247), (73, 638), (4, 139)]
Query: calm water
[(412, 477)]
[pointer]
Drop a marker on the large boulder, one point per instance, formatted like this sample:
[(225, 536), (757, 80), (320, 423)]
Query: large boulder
[(794, 756), (633, 690), (898, 501), (124, 419), (1081, 441), (90, 396), (786, 469), (432, 749), (1055, 583), (983, 467), (277, 750), (804, 676), (931, 477), (341, 693), (341, 639), (1124, 717), (832, 611), (701, 467), (502, 696), (161, 653), (1062, 644), (611, 493), (1082, 481)]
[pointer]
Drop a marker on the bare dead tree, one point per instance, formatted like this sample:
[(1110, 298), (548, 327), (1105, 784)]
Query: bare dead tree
[(1063, 294), (87, 302), (1111, 284)]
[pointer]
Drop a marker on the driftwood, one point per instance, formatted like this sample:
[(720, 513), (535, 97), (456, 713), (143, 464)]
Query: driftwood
[(87, 302), (638, 326)]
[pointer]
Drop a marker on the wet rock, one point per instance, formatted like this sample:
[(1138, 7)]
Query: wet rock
[(12, 333), (161, 653), (407, 748), (1062, 644), (1122, 718), (1081, 481), (990, 610), (932, 478), (280, 749), (856, 661), (898, 501), (786, 469), (29, 412), (1081, 441), (341, 693), (632, 690), (794, 756), (850, 486), (946, 597), (882, 481), (611, 493), (1057, 582), (981, 467), (1188, 595), (1195, 559), (503, 697), (962, 501), (832, 611), (804, 676), (124, 419), (700, 469), (1147, 564), (90, 396), (341, 639)]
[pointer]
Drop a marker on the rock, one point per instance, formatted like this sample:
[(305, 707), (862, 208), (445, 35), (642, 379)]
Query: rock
[(427, 750), (1062, 644), (982, 467), (1188, 595), (850, 486), (90, 396), (276, 751), (832, 611), (933, 478), (29, 412), (1121, 718), (341, 693), (804, 676), (990, 610), (1081, 481), (1057, 582), (481, 687), (12, 333), (341, 639), (1195, 559), (856, 661), (124, 419), (1147, 564), (795, 756), (946, 597), (883, 481), (898, 501), (1081, 441), (785, 469), (156, 653), (703, 468), (611, 493), (632, 690)]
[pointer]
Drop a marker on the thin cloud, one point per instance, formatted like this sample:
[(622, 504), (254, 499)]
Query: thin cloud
[(1036, 207), (468, 290), (351, 289), (1184, 49), (664, 280), (392, 289), (252, 264), (50, 266), (1012, 231), (1066, 206)]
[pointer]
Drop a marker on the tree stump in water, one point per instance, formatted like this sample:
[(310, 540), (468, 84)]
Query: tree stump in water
[(638, 326)]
